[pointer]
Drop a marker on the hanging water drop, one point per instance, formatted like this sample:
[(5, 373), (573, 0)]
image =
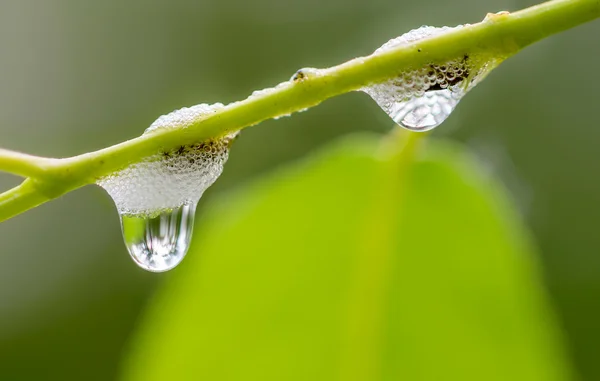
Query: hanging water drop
[(156, 198), (422, 99), (158, 243)]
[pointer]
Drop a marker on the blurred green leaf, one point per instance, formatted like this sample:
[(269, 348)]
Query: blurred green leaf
[(352, 267)]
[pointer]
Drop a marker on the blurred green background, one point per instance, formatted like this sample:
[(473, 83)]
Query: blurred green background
[(80, 75)]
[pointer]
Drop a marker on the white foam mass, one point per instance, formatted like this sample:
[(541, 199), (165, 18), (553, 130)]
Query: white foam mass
[(170, 179), (423, 98)]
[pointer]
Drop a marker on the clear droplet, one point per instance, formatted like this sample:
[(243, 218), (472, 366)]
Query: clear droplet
[(422, 99), (422, 113), (156, 198), (159, 242), (307, 72)]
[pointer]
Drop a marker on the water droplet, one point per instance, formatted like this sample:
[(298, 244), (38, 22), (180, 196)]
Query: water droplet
[(281, 116), (270, 90), (496, 16), (424, 112), (156, 197), (307, 72), (159, 242), (422, 99)]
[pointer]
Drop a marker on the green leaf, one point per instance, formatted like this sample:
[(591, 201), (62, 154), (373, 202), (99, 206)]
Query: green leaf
[(354, 266)]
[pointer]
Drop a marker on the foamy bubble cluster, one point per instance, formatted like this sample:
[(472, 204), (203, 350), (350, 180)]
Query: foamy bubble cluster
[(173, 178), (422, 99), (184, 116)]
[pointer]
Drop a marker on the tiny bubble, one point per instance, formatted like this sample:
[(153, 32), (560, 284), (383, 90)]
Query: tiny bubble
[(304, 73), (298, 76)]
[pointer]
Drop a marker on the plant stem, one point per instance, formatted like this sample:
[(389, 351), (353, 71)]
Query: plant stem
[(20, 198), (22, 164), (499, 35)]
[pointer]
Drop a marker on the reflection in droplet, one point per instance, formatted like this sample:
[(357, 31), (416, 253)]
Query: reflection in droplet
[(422, 99), (159, 242), (425, 112)]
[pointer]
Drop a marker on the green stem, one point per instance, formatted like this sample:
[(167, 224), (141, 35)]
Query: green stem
[(22, 164), (20, 198), (498, 35)]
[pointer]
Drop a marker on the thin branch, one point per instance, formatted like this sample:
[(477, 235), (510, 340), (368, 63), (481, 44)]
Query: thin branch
[(498, 36), (21, 198), (22, 164)]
